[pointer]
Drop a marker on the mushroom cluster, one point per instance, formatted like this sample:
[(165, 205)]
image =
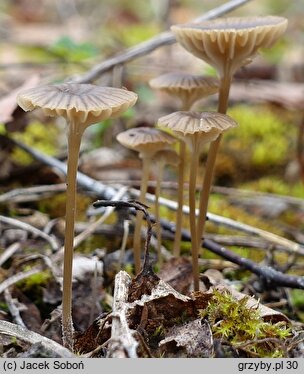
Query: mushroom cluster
[(226, 44)]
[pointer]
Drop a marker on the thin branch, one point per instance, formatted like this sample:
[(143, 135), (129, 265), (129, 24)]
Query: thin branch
[(107, 192), (31, 193), (33, 230), (9, 252), (31, 337), (162, 39), (18, 277)]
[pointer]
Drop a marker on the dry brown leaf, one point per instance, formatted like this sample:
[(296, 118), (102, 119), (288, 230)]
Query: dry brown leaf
[(178, 273)]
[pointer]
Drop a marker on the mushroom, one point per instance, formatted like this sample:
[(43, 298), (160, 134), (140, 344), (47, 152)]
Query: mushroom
[(162, 158), (146, 141), (81, 105), (197, 129), (188, 89), (226, 44)]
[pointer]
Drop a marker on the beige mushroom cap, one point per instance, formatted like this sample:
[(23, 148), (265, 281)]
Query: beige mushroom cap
[(231, 40), (187, 87), (206, 125), (82, 103), (145, 140)]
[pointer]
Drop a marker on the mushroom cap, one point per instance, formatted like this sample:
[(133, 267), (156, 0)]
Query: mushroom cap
[(206, 125), (229, 41), (187, 87), (167, 157), (145, 140), (82, 103)]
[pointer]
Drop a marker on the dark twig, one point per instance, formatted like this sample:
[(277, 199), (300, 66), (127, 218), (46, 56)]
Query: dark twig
[(107, 193), (164, 38), (138, 206), (271, 276)]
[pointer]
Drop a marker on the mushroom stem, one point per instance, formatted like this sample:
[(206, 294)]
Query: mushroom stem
[(192, 206), (180, 199), (139, 216), (74, 138), (157, 215), (186, 105), (224, 89)]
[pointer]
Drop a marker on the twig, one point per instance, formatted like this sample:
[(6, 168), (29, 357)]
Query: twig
[(262, 341), (122, 342), (162, 39), (107, 192), (273, 238), (271, 276), (13, 308), (138, 206), (18, 277), (31, 193), (9, 252), (31, 337), (33, 230)]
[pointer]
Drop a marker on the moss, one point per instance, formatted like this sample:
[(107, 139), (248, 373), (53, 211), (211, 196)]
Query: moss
[(262, 137), (38, 135), (55, 206), (275, 185), (34, 281), (233, 321)]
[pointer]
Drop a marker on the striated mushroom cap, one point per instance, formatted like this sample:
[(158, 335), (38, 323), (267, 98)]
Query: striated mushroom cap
[(82, 103), (145, 140), (229, 42), (207, 126), (187, 87)]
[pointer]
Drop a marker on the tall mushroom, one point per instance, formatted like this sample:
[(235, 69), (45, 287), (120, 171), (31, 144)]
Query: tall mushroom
[(226, 44), (188, 89), (162, 158), (146, 141), (196, 129), (81, 105)]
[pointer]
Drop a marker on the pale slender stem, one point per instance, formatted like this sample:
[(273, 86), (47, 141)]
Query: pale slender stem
[(180, 199), (185, 106), (139, 215), (192, 202), (74, 140), (225, 83), (157, 215)]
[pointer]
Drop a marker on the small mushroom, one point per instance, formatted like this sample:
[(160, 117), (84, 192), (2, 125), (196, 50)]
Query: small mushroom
[(81, 105), (162, 158), (197, 129), (226, 44), (188, 89), (146, 141)]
